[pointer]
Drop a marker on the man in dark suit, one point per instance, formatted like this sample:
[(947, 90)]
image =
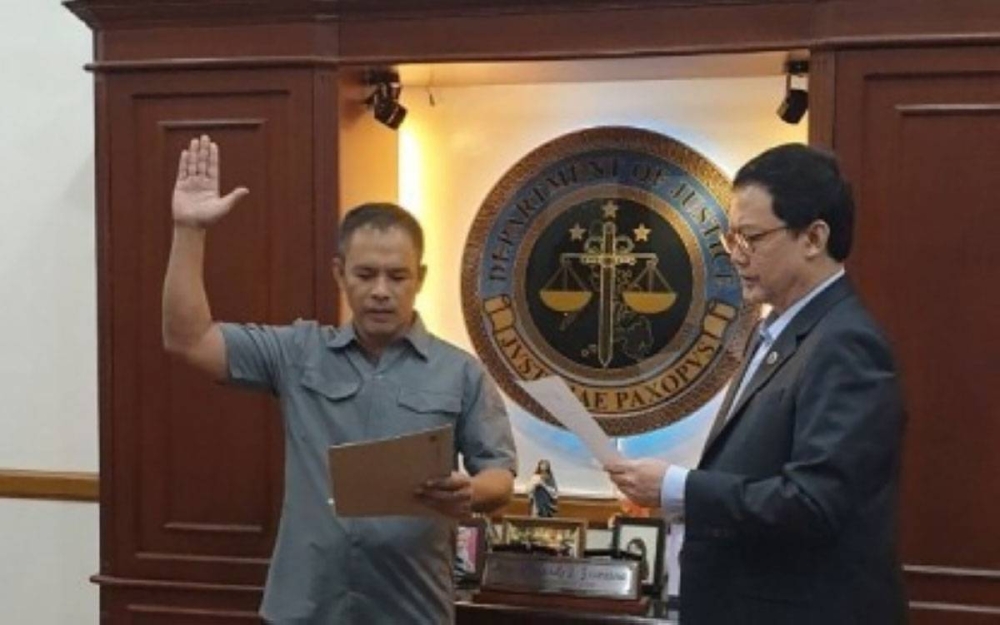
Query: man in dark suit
[(791, 513)]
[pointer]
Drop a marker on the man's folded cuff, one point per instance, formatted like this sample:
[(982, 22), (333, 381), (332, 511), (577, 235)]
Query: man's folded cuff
[(672, 492)]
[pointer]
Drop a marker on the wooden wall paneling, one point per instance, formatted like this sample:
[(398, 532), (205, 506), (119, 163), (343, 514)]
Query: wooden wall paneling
[(255, 43), (822, 87), (179, 604), (919, 130), (196, 469), (483, 30), (538, 34), (887, 23), (326, 109)]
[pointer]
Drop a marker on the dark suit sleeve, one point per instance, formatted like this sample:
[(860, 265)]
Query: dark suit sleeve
[(845, 430)]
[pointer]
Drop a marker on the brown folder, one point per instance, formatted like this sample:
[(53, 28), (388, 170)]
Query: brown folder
[(381, 477)]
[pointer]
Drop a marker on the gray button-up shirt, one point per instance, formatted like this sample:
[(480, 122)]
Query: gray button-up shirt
[(391, 570)]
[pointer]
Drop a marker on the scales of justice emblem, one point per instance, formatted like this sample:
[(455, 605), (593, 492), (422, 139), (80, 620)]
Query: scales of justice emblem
[(606, 253), (597, 258)]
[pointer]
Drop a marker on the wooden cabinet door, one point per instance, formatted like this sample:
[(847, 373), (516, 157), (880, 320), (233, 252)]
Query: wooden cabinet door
[(919, 132), (191, 472)]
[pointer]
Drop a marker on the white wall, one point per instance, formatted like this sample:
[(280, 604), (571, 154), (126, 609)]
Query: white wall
[(473, 134), (48, 353), (49, 551), (48, 369)]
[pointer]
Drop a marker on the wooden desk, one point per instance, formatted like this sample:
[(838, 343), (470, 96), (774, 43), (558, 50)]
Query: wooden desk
[(469, 613)]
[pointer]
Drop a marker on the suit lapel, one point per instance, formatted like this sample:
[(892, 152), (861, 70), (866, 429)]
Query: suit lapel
[(727, 401), (781, 351)]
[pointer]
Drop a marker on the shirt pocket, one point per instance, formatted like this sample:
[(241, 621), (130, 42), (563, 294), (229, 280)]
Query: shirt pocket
[(429, 407), (334, 390)]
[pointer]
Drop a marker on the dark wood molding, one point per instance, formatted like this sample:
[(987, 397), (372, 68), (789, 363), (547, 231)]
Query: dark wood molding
[(59, 485), (951, 571), (139, 599), (953, 608), (953, 588), (131, 13), (158, 584), (101, 14), (421, 8), (144, 611), (396, 31), (159, 65)]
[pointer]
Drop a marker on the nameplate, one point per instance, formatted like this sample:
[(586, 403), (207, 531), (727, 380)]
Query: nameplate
[(515, 572)]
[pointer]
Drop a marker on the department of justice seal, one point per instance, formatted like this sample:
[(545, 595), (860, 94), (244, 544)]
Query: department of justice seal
[(597, 258)]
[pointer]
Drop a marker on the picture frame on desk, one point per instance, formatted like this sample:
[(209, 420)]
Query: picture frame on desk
[(470, 551), (645, 537), (599, 538), (565, 536)]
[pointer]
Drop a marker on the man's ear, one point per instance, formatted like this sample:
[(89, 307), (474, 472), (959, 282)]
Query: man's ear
[(817, 234), (421, 274), (337, 266)]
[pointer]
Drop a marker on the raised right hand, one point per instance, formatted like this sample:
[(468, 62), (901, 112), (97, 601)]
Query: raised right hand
[(196, 193)]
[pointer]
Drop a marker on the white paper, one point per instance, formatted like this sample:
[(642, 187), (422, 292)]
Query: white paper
[(554, 395)]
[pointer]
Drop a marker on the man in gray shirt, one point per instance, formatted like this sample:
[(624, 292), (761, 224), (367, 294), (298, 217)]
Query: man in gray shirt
[(380, 375)]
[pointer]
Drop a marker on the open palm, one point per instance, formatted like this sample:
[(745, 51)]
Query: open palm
[(196, 199)]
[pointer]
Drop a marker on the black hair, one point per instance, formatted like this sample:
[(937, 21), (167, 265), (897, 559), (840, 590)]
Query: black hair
[(805, 185), (381, 216)]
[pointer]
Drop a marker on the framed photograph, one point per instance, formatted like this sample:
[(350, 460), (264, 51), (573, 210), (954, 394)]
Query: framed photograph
[(470, 551), (599, 538), (565, 536), (495, 534), (643, 537)]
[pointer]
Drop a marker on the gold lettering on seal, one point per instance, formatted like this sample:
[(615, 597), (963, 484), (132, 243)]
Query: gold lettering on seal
[(518, 355), (676, 379)]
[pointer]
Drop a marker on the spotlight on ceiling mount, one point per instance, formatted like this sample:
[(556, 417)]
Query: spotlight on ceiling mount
[(796, 100), (384, 99)]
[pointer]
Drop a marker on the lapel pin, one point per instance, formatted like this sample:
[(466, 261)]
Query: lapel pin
[(772, 358)]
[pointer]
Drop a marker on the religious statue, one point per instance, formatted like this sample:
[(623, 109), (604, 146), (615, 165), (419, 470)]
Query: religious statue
[(543, 494)]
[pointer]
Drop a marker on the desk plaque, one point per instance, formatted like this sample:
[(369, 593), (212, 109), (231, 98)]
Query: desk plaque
[(515, 572)]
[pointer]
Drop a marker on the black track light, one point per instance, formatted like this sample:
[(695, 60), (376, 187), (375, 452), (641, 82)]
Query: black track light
[(384, 99), (796, 100)]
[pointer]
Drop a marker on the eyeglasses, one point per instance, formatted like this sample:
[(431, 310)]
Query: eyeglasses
[(735, 240)]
